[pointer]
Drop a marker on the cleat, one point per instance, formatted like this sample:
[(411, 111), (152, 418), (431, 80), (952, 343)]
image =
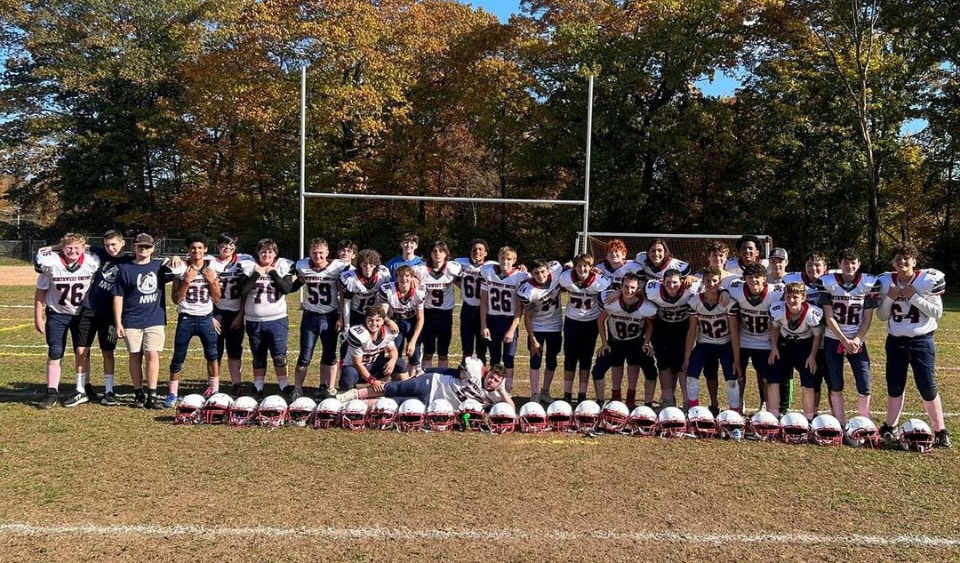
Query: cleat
[(296, 394), (92, 394), (153, 403), (139, 401), (942, 440), (76, 399), (534, 397), (287, 393), (323, 392), (889, 435), (49, 400), (109, 399), (545, 397), (168, 402), (238, 389), (259, 395), (715, 411)]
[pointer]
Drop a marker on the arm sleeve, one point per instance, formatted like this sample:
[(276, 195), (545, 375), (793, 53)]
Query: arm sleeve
[(247, 283), (297, 284), (284, 284)]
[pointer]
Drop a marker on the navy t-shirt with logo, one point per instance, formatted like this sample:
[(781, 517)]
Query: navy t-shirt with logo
[(100, 296), (142, 289)]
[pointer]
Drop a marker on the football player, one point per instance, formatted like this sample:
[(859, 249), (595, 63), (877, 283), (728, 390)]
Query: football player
[(408, 257), (265, 283), (815, 266), (794, 344), (438, 276), (848, 299), (371, 353), (228, 312), (712, 333), (347, 251), (911, 307), (196, 289), (140, 315), (658, 259), (585, 285), (499, 311), (540, 297), (717, 255), (471, 337), (670, 337), (359, 288), (748, 249), (403, 302), (616, 264), (754, 296), (64, 279), (777, 265), (321, 314), (623, 324)]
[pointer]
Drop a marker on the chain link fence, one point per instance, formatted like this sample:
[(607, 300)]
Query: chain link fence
[(27, 249)]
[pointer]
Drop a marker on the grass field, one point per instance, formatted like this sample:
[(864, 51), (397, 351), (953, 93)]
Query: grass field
[(95, 483)]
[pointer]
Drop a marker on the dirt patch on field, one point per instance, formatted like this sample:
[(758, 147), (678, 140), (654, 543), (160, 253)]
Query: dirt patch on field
[(17, 275)]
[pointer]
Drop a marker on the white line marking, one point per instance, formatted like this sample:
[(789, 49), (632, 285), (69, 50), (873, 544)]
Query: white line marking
[(511, 535)]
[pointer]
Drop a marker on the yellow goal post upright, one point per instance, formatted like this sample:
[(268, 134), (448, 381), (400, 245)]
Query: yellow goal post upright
[(691, 248)]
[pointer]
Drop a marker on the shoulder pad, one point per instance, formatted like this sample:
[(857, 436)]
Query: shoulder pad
[(302, 265), (455, 268), (247, 267), (357, 336)]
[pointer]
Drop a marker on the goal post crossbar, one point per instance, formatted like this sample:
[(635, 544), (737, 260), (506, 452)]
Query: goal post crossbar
[(448, 199)]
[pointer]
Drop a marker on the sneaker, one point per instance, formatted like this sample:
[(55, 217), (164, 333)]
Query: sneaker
[(153, 403), (545, 397), (92, 394), (168, 401), (78, 398), (888, 434), (942, 440), (109, 399), (49, 400), (346, 395), (208, 392), (139, 401), (534, 397)]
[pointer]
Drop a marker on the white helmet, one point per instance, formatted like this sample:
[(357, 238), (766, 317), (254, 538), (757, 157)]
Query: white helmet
[(701, 422), (613, 417), (533, 418), (502, 418), (862, 432), (383, 414), (765, 426), (730, 425), (272, 411), (916, 436), (328, 413), (586, 416), (671, 423), (301, 410), (190, 410), (794, 428), (471, 415), (354, 415), (643, 421), (559, 416), (825, 430), (440, 416), (217, 408), (243, 412), (410, 415)]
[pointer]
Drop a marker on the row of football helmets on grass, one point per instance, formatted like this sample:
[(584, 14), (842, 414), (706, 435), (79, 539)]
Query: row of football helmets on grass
[(589, 417)]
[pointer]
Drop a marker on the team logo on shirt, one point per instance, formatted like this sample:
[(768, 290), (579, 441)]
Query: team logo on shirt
[(110, 272), (147, 286)]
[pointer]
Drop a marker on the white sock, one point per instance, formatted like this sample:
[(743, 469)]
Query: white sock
[(733, 393), (258, 384), (283, 381), (108, 382), (79, 383), (693, 390)]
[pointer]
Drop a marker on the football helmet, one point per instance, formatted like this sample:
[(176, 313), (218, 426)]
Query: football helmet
[(502, 418), (764, 426), (862, 432), (301, 411), (272, 412), (701, 423), (410, 415), (243, 412), (643, 421), (471, 415), (671, 423), (327, 414), (559, 416), (613, 417), (354, 415), (586, 416), (533, 418), (190, 410), (916, 436), (440, 416), (383, 414), (730, 425), (825, 430), (216, 408), (794, 428)]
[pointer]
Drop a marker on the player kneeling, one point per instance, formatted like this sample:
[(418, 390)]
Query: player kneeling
[(371, 353), (795, 341)]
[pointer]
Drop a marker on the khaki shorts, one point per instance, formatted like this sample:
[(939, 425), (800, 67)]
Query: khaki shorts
[(148, 339)]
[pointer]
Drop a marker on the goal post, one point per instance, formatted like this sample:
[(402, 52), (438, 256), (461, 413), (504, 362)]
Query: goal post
[(691, 248)]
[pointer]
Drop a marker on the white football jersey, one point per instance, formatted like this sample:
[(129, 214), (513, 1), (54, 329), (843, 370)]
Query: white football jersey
[(584, 301), (543, 300), (229, 285), (627, 322), (197, 301), (755, 313), (813, 286), (726, 278), (652, 272), (265, 303), (321, 293), (615, 275), (439, 284), (66, 285), (470, 280), (735, 267), (362, 344), (713, 321), (808, 323), (848, 301), (501, 288), (363, 292), (670, 309), (905, 317), (456, 390), (402, 305)]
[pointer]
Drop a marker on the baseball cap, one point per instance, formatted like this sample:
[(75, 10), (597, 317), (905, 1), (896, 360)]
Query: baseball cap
[(779, 253), (143, 239)]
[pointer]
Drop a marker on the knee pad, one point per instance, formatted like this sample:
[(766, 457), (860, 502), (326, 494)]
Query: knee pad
[(280, 360), (176, 367), (259, 363), (598, 373), (301, 362), (55, 353), (928, 393)]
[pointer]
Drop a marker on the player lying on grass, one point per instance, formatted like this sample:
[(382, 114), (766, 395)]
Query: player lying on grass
[(795, 342), (372, 355), (543, 319), (712, 334), (402, 301), (499, 310), (438, 276)]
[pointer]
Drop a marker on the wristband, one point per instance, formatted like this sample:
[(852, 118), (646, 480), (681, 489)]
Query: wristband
[(371, 380)]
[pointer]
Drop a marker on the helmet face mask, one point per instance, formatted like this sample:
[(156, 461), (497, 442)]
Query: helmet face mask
[(502, 419), (731, 426), (216, 409), (383, 414), (190, 410), (701, 423), (643, 422), (533, 418), (301, 411), (862, 433), (440, 416), (586, 417), (794, 428), (354, 415), (272, 412), (243, 412), (764, 426), (327, 414), (471, 416), (614, 417), (411, 415), (916, 436), (559, 416), (825, 430), (671, 423)]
